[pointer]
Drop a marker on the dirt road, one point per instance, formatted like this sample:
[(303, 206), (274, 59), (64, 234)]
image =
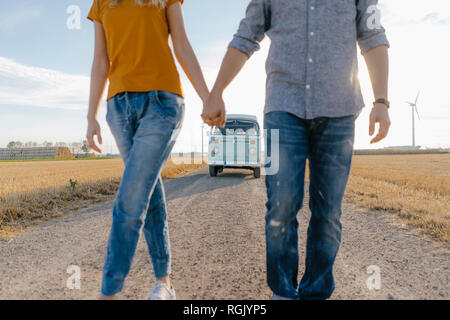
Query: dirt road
[(218, 246)]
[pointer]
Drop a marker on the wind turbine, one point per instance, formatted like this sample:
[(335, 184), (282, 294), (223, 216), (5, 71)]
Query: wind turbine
[(413, 106)]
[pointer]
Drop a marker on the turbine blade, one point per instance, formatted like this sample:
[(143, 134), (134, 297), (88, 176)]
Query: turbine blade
[(417, 98), (417, 111)]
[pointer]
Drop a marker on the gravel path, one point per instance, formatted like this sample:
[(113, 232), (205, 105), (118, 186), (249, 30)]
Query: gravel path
[(218, 246)]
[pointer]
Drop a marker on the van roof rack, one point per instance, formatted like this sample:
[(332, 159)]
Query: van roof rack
[(247, 117)]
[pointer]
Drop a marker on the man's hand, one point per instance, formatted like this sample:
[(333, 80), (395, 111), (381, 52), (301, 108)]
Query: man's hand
[(379, 114), (214, 113), (94, 130)]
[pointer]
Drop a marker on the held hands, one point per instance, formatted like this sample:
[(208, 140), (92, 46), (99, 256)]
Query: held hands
[(94, 130), (379, 114), (214, 113)]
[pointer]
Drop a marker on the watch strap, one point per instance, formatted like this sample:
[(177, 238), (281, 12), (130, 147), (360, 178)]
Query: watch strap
[(383, 101)]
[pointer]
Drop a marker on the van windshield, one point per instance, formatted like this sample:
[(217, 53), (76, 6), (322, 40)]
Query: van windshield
[(238, 127)]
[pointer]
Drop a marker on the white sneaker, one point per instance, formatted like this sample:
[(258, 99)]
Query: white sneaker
[(161, 292)]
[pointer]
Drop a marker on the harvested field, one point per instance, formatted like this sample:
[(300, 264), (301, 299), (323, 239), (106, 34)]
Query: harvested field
[(39, 190), (416, 187)]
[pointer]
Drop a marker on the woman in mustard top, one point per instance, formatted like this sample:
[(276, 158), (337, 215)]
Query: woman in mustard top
[(145, 112)]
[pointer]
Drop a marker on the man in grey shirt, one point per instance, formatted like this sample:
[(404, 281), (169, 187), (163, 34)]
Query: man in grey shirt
[(313, 98)]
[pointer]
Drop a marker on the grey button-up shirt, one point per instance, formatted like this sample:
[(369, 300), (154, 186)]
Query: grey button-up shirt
[(312, 65)]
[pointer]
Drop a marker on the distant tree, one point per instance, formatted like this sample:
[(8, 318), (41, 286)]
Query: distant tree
[(11, 145), (75, 147), (28, 144), (47, 144), (61, 144), (18, 144), (85, 146)]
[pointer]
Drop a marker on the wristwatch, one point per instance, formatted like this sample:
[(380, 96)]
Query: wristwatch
[(382, 101)]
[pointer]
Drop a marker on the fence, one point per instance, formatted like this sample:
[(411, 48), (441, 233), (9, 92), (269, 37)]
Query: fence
[(35, 153)]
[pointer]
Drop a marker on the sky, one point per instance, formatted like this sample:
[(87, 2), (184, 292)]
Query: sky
[(45, 68)]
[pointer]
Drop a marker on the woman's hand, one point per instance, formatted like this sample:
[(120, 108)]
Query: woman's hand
[(99, 75), (94, 130), (214, 110)]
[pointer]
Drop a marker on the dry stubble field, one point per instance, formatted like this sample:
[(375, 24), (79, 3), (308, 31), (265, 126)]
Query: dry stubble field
[(33, 191), (415, 187)]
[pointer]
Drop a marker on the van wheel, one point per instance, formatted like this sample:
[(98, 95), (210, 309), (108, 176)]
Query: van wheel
[(213, 171), (257, 173)]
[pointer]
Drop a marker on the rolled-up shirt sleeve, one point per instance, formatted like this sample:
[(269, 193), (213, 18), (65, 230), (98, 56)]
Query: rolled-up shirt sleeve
[(252, 28), (370, 32), (95, 12)]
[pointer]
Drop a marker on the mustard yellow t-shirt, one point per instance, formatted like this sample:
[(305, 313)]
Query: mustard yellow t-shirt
[(138, 47)]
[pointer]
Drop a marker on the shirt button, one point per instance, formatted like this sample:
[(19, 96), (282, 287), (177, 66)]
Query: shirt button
[(310, 60), (311, 33), (308, 86), (312, 8)]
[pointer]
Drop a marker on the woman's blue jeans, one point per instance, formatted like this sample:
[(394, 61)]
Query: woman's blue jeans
[(328, 144), (145, 126)]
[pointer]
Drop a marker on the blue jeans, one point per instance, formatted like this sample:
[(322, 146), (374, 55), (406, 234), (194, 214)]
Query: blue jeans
[(328, 144), (145, 126)]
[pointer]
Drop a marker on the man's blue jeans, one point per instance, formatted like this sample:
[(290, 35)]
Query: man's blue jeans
[(145, 126), (328, 144)]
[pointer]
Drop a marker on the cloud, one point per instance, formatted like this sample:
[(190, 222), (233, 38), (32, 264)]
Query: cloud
[(409, 12), (436, 18), (33, 86), (22, 12)]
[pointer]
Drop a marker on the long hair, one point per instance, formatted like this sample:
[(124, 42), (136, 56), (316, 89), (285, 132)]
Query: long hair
[(155, 3)]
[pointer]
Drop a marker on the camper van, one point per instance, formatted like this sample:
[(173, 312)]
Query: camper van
[(237, 145)]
